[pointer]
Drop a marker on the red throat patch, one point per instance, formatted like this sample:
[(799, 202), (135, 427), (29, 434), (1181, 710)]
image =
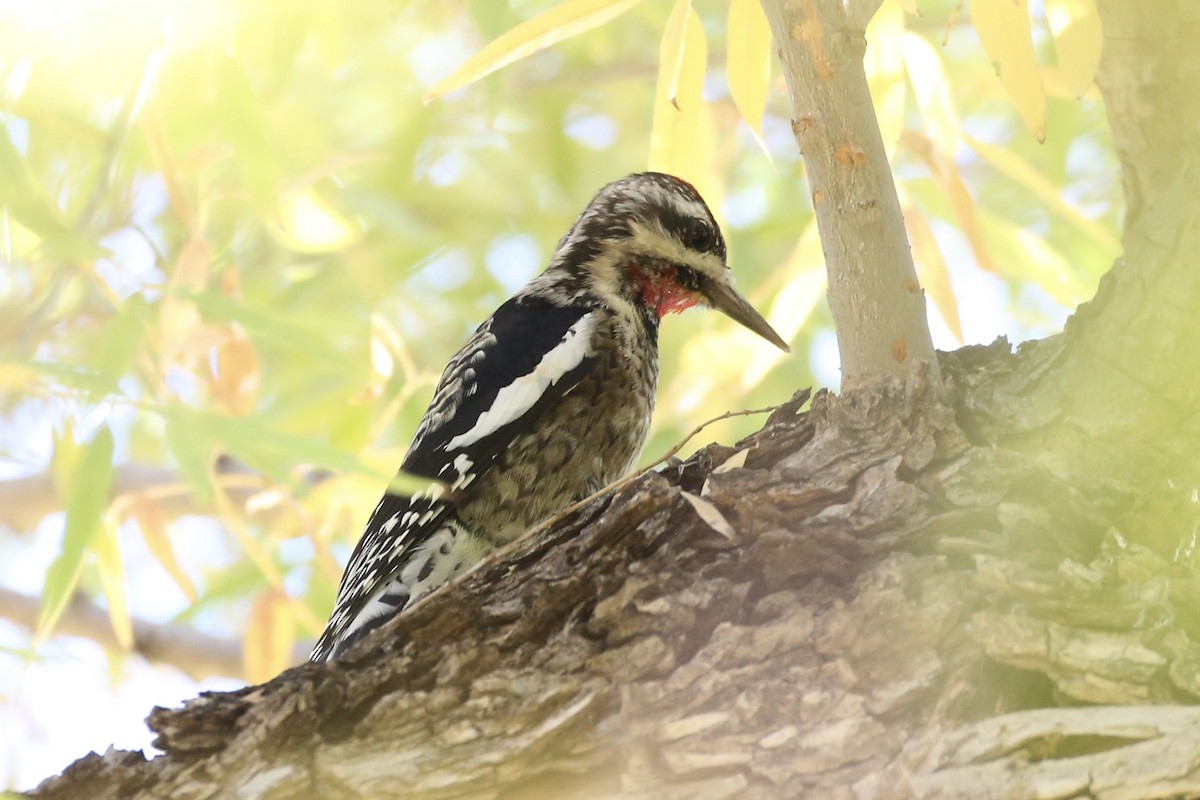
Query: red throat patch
[(663, 293)]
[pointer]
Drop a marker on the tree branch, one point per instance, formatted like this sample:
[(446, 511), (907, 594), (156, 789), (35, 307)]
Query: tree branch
[(877, 303), (1109, 394), (196, 654), (881, 602), (1148, 77), (910, 578)]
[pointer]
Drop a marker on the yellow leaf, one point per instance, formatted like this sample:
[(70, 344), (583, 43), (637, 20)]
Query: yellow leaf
[(181, 334), (675, 146), (21, 241), (235, 384), (804, 288), (793, 305), (884, 65), (1077, 40), (177, 320), (270, 634), (932, 269), (1004, 29), (153, 526), (111, 566), (946, 173), (673, 49), (932, 91), (68, 452), (748, 64), (260, 557), (563, 21), (16, 376), (191, 268)]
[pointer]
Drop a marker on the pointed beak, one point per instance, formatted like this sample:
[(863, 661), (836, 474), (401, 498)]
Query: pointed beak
[(724, 298)]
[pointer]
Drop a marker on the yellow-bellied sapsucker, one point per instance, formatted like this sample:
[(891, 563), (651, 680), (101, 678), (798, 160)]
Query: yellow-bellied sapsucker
[(548, 401)]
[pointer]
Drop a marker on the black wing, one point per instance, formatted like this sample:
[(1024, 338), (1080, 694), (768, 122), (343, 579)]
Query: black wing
[(518, 363)]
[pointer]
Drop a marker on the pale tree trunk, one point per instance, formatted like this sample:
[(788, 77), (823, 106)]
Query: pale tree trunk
[(876, 301), (979, 589)]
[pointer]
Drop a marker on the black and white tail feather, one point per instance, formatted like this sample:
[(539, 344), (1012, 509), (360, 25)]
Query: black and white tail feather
[(548, 400)]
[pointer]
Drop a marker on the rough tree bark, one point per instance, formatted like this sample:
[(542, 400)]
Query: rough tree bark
[(985, 588)]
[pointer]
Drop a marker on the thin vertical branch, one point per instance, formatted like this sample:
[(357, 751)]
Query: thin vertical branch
[(877, 303)]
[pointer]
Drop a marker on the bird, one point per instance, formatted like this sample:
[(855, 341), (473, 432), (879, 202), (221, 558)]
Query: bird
[(550, 399)]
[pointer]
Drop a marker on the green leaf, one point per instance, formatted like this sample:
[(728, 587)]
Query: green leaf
[(804, 288), (68, 453), (195, 435), (23, 196), (265, 326), (673, 50), (26, 200), (563, 21), (271, 451), (222, 587), (192, 447), (119, 341), (72, 375), (87, 493)]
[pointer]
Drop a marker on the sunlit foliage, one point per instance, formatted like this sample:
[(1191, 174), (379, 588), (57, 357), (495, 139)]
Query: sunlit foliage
[(239, 246)]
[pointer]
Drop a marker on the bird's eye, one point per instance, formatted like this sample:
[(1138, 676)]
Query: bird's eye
[(698, 235)]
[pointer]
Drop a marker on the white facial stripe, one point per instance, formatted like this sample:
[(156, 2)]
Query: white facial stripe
[(651, 193), (655, 242), (518, 397), (685, 206)]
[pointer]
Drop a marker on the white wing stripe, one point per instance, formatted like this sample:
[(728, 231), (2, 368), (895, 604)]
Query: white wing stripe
[(519, 396)]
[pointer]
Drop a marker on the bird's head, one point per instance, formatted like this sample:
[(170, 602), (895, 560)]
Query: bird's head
[(649, 242)]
